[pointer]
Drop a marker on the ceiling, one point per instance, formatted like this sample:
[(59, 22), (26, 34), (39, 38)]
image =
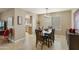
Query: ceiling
[(39, 10), (43, 10)]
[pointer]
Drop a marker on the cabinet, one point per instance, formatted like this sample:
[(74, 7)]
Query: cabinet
[(73, 41), (30, 30)]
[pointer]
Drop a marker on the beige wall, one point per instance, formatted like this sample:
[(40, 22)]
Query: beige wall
[(19, 29), (6, 14), (65, 24)]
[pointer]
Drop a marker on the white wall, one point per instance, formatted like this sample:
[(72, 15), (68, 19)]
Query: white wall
[(73, 11), (35, 17), (20, 29)]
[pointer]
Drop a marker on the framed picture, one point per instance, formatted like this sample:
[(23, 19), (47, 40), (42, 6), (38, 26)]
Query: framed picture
[(19, 20)]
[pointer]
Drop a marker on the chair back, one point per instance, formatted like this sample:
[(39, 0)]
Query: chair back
[(38, 35), (53, 34), (53, 31), (6, 32)]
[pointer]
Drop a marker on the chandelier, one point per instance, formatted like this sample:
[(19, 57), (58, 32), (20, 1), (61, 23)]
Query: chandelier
[(46, 14)]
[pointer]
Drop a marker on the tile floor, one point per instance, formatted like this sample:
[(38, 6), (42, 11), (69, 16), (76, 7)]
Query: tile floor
[(29, 44)]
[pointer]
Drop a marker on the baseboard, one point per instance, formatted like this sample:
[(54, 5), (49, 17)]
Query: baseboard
[(14, 41)]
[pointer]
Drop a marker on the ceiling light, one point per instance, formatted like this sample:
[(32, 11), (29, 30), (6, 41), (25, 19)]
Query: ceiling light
[(46, 14)]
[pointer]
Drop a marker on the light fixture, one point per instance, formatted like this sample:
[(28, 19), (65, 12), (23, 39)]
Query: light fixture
[(46, 9), (46, 14)]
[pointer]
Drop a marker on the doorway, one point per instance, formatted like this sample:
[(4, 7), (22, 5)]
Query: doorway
[(28, 25)]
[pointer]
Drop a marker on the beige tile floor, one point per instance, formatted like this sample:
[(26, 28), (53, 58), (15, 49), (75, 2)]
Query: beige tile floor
[(29, 44)]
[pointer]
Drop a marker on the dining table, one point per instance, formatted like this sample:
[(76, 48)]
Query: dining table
[(46, 36)]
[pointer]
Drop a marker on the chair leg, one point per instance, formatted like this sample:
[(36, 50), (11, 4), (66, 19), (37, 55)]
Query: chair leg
[(48, 42), (53, 39), (51, 43), (42, 46), (36, 43)]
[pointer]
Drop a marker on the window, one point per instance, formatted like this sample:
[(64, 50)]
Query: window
[(47, 22), (56, 22)]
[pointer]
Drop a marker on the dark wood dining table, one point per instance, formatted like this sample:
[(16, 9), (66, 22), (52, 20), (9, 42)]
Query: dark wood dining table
[(46, 37)]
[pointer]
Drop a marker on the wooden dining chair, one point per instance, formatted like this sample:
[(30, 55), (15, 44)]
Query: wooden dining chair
[(51, 37), (40, 38)]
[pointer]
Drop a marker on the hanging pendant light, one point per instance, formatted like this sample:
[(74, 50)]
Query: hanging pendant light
[(46, 9), (46, 14)]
